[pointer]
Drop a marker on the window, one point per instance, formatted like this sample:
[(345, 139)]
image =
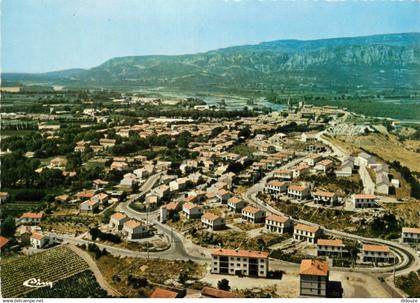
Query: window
[(215, 263), (261, 272)]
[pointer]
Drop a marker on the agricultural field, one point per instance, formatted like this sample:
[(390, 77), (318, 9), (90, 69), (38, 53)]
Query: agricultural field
[(51, 266), (81, 285)]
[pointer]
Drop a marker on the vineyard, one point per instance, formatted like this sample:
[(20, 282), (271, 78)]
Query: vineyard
[(81, 285), (50, 266)]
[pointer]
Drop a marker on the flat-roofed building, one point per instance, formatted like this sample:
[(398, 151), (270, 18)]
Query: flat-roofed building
[(364, 201), (331, 248), (278, 224), (253, 214), (306, 232), (240, 262), (325, 198), (314, 278), (376, 253), (411, 234)]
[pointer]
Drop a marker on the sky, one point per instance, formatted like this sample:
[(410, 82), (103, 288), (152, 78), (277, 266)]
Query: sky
[(49, 35)]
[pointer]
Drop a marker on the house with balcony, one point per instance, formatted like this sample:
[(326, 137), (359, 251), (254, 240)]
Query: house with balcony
[(330, 248), (278, 224), (325, 198), (376, 254), (253, 214), (298, 192), (239, 262), (235, 204), (307, 233), (364, 201), (213, 221), (410, 235)]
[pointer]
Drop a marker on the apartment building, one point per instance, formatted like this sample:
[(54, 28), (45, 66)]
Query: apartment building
[(410, 234), (330, 248), (253, 214), (278, 224), (240, 262), (306, 232), (314, 278), (364, 201), (376, 253)]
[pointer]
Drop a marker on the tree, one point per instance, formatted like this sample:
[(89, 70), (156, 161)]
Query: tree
[(8, 227), (223, 284)]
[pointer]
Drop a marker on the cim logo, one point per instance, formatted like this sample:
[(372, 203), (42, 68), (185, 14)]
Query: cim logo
[(37, 283)]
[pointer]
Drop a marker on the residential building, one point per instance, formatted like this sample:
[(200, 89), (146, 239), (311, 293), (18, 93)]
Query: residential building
[(39, 240), (253, 214), (133, 229), (89, 206), (210, 292), (275, 187), (239, 262), (314, 278), (376, 253), (364, 159), (283, 174), (4, 196), (212, 221), (331, 248), (236, 204), (30, 218), (411, 234), (306, 232), (117, 221), (192, 211), (278, 224), (4, 243), (364, 200), (325, 198), (223, 195), (298, 192), (346, 168)]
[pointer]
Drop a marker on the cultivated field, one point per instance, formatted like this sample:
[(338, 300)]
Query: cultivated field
[(50, 266)]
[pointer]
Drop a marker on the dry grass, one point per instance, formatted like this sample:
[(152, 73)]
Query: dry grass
[(405, 212)]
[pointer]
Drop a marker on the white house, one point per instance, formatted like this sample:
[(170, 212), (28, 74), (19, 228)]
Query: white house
[(364, 200), (298, 192), (364, 159), (331, 248), (325, 198), (30, 218), (410, 234), (117, 221), (376, 253), (192, 210), (279, 224), (223, 195), (39, 240), (212, 221), (275, 187), (283, 174), (346, 168), (313, 159), (133, 229), (236, 204), (89, 206), (306, 232), (253, 214)]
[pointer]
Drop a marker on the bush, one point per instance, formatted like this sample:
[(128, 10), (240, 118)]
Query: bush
[(223, 284)]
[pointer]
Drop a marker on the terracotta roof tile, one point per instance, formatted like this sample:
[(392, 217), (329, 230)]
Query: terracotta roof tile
[(314, 268), (163, 293), (240, 253)]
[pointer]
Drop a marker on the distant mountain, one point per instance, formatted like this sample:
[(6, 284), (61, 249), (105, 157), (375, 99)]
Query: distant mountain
[(391, 60)]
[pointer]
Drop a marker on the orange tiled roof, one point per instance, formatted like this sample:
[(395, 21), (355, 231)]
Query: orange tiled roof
[(375, 248), (30, 215), (413, 230), (250, 209), (324, 194), (276, 218), (3, 241), (309, 228), (276, 183), (297, 187), (234, 200), (218, 293), (326, 242), (210, 216), (132, 224), (37, 236), (314, 268), (364, 196), (118, 216), (163, 293), (240, 253)]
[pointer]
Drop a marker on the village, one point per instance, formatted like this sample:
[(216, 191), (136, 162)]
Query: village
[(236, 194)]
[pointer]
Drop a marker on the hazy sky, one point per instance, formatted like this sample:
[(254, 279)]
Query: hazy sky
[(47, 35)]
